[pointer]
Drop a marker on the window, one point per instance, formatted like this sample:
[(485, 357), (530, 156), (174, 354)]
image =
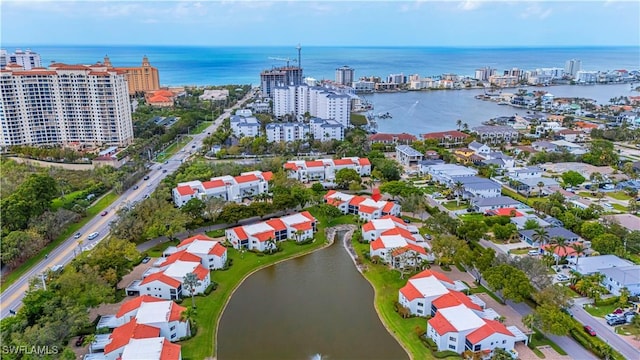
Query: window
[(420, 304), (451, 338), (452, 347), (476, 347), (419, 311), (504, 341), (173, 336), (172, 328)]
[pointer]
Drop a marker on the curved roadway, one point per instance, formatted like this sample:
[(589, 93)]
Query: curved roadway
[(11, 298)]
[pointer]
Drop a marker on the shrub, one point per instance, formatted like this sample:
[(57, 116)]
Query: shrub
[(445, 354), (305, 242), (210, 288), (430, 343), (607, 301), (178, 301)]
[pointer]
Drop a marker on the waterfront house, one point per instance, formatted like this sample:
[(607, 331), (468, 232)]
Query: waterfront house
[(392, 139), (325, 169), (365, 208), (447, 139), (263, 236), (165, 315), (151, 349), (374, 228), (424, 287), (227, 188), (475, 186), (408, 156), (528, 236), (496, 134), (484, 204), (446, 173), (400, 249)]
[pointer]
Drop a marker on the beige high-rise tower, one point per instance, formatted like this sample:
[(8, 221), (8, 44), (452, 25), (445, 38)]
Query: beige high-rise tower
[(140, 79)]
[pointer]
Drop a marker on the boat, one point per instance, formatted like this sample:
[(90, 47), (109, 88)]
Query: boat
[(503, 103)]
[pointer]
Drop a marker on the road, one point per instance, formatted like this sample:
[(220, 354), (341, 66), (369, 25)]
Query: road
[(604, 331), (11, 298)]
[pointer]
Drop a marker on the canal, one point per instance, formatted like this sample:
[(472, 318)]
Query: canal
[(313, 307)]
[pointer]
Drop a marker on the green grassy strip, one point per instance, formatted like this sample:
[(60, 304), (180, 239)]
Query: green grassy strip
[(200, 128), (173, 148), (92, 211)]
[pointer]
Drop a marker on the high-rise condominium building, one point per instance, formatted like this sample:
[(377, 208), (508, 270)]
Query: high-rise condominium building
[(281, 76), (64, 104), (344, 75), (140, 79), (27, 59), (317, 101), (571, 67)]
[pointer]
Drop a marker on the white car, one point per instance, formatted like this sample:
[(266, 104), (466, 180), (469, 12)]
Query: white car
[(77, 235), (562, 277), (93, 235)]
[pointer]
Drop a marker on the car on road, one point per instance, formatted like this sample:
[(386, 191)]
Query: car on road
[(164, 171), (135, 187), (146, 196), (562, 277), (104, 213), (589, 330), (616, 321), (77, 235), (146, 177), (93, 235), (146, 260)]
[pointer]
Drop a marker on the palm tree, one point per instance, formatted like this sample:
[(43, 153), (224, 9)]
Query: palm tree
[(270, 244), (530, 321), (541, 236), (458, 188), (458, 124), (188, 316), (298, 234), (579, 249), (415, 260), (540, 185), (558, 242), (191, 282)]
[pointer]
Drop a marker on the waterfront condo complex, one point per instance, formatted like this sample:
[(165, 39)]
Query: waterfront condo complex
[(63, 105)]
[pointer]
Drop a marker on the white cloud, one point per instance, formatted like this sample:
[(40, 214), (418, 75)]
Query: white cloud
[(536, 11), (469, 5)]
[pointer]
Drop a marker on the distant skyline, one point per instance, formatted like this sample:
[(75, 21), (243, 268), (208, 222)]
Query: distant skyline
[(321, 23)]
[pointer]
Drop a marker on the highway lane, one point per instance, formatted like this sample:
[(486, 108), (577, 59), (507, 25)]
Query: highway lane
[(11, 298)]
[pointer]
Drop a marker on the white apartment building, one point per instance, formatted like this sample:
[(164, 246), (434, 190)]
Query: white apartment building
[(64, 104), (228, 188), (27, 59), (325, 169), (316, 101), (242, 125), (588, 77), (365, 208), (263, 236), (363, 86), (287, 132), (326, 130), (572, 67), (345, 75)]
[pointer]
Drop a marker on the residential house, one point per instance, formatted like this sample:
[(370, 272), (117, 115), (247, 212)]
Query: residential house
[(151, 349), (531, 185), (399, 248), (446, 173), (572, 135), (479, 148), (475, 186), (528, 236), (325, 169), (564, 252), (165, 315), (520, 221), (628, 221), (392, 139), (447, 139), (227, 188), (376, 227), (531, 172), (467, 156), (616, 278), (544, 146), (498, 159), (263, 236), (484, 204), (408, 156), (212, 254), (594, 264), (431, 155), (563, 145), (496, 134), (364, 207), (423, 288)]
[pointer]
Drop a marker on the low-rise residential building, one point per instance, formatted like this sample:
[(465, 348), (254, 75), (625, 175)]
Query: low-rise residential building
[(374, 228), (407, 156), (525, 173), (242, 126), (446, 173), (392, 139), (552, 232), (165, 315), (325, 169), (364, 207), (483, 205), (151, 349), (424, 287), (496, 134), (227, 188), (167, 282), (263, 236), (326, 130), (287, 132), (593, 264), (399, 248), (123, 335), (616, 278), (479, 148), (478, 187), (447, 139), (627, 221), (212, 254)]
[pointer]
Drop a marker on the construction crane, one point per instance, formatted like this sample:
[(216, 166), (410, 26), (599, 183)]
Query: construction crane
[(288, 60)]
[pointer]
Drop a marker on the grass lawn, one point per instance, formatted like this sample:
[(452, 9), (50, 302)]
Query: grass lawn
[(619, 195), (470, 217), (619, 207), (386, 283), (215, 233), (627, 330), (586, 194), (453, 205), (58, 202), (92, 211), (200, 128), (173, 148), (210, 308), (520, 251), (538, 339), (156, 251), (600, 311)]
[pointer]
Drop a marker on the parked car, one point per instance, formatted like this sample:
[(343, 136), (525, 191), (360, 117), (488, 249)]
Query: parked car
[(164, 171), (93, 235), (146, 260), (616, 321), (533, 252), (406, 220), (428, 237), (589, 330), (562, 277)]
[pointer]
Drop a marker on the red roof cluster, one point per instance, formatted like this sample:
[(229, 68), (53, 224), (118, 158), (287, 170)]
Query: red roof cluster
[(445, 135)]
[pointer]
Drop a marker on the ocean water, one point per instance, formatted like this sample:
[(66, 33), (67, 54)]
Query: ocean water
[(412, 112), (190, 65)]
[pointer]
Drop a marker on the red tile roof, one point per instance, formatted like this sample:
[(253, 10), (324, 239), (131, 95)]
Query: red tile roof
[(158, 99), (367, 209), (315, 163), (388, 207), (391, 137), (491, 327), (357, 200), (98, 73), (264, 236), (440, 324), (399, 231), (410, 292), (455, 298), (393, 218), (342, 162), (213, 184), (290, 166), (438, 275), (165, 93), (368, 227), (217, 250), (303, 226), (246, 178), (33, 73), (180, 255), (267, 175), (170, 351), (377, 244), (416, 248), (364, 161), (176, 312), (201, 272), (445, 134), (160, 276), (189, 240), (135, 303), (240, 233), (131, 330), (276, 224), (560, 251), (308, 215)]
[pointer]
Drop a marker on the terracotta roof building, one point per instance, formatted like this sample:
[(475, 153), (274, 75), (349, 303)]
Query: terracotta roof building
[(448, 139), (142, 78)]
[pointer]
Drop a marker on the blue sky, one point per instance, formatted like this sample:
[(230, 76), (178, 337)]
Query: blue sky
[(321, 23)]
